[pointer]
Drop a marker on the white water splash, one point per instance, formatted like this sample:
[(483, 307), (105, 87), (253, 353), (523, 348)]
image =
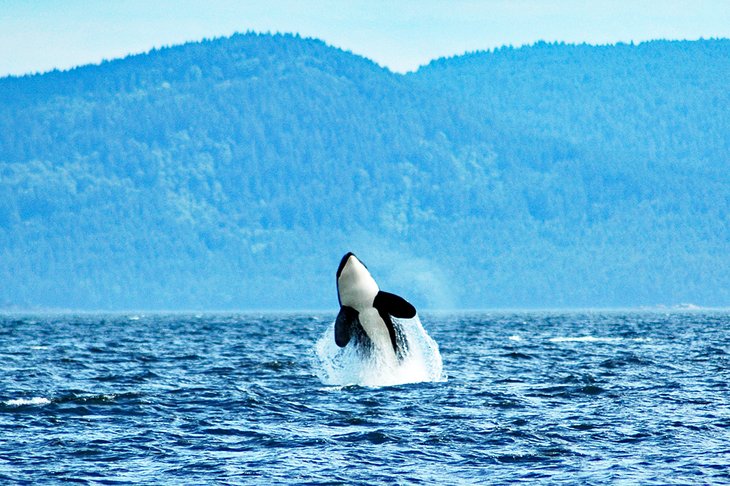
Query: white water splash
[(591, 339), (345, 366), (27, 401)]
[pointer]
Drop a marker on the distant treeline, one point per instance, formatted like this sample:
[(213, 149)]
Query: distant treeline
[(233, 173)]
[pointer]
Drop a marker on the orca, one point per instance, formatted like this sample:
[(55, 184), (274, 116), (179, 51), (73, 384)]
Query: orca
[(366, 312)]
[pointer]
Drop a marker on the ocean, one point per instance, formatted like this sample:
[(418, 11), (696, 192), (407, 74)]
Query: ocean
[(496, 398)]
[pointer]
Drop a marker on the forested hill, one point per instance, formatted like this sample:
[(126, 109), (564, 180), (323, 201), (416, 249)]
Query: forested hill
[(234, 173)]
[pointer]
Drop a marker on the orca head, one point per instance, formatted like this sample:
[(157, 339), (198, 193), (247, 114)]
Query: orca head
[(356, 288)]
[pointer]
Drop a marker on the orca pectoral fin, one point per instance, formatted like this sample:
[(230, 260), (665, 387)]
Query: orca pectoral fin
[(391, 305), (394, 305), (345, 325)]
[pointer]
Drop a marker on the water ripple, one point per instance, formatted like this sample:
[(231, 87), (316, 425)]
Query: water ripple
[(579, 398)]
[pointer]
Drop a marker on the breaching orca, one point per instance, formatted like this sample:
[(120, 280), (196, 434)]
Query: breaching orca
[(366, 312)]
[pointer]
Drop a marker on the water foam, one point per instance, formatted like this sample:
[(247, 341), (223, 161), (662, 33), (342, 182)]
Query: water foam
[(346, 366), (17, 402), (591, 339)]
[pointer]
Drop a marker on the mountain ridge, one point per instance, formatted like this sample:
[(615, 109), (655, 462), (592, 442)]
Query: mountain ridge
[(232, 173)]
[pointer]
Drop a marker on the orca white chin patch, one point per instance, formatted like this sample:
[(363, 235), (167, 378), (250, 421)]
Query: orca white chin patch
[(356, 288)]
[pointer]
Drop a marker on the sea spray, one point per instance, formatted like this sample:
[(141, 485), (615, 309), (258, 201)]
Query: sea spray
[(349, 366)]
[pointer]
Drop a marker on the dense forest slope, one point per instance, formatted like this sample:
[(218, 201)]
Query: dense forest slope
[(233, 173)]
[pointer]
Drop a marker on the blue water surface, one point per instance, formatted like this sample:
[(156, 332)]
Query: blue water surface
[(577, 398)]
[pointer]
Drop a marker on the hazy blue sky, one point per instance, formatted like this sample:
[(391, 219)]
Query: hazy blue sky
[(38, 35)]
